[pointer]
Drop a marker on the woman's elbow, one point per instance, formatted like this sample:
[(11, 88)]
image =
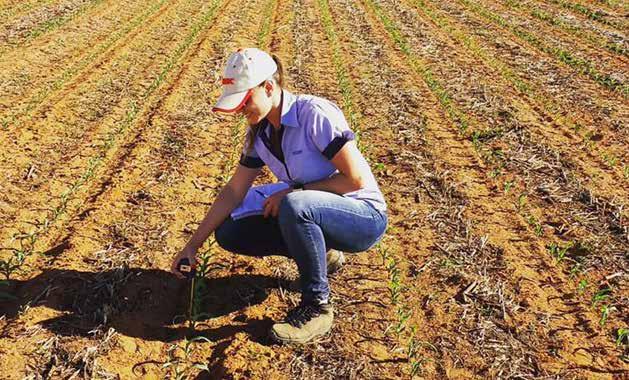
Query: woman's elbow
[(357, 183)]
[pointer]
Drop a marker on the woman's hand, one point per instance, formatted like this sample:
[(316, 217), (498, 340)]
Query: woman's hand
[(272, 203), (186, 253)]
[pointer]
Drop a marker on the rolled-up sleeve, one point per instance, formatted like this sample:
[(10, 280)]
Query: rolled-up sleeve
[(328, 128), (249, 157)]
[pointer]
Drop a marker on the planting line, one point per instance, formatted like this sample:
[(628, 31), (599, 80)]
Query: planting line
[(498, 161), (520, 84), (16, 119), (109, 141), (589, 13), (396, 287), (11, 10), (51, 24), (574, 30), (581, 65), (237, 134), (514, 249)]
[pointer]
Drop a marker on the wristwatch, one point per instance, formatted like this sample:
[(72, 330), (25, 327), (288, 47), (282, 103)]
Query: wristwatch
[(298, 187)]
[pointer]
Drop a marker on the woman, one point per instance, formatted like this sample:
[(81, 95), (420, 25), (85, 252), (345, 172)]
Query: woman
[(327, 200)]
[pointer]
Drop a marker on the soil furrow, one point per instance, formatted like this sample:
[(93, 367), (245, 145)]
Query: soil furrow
[(613, 65), (603, 118), (21, 30), (614, 42), (143, 199), (583, 66), (58, 59), (120, 101), (503, 110), (491, 214)]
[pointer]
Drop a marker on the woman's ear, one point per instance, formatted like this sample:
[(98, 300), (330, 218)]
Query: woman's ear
[(268, 86)]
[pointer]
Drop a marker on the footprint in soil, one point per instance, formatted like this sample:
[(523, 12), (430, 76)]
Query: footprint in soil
[(141, 303)]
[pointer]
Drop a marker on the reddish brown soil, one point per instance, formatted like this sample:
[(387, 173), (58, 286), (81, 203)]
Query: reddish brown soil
[(508, 245)]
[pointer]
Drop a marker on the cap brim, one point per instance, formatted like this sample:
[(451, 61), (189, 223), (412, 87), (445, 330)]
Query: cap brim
[(231, 102)]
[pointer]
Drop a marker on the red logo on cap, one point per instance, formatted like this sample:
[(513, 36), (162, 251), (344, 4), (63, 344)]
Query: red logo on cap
[(228, 81)]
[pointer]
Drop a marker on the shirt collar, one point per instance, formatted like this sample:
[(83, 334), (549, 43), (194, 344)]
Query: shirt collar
[(289, 109), (289, 113)]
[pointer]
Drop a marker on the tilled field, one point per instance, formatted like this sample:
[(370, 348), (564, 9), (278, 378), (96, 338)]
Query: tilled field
[(497, 130)]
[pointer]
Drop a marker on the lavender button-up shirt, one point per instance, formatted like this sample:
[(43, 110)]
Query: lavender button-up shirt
[(314, 130)]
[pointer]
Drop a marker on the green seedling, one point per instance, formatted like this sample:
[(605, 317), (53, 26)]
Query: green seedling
[(180, 368), (507, 186), (583, 284), (622, 336), (605, 310), (557, 251), (537, 227), (521, 201), (379, 167), (601, 295)]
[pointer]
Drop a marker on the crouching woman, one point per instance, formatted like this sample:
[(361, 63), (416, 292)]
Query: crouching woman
[(327, 200)]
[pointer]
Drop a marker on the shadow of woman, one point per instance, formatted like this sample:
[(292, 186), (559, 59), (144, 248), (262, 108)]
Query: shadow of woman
[(143, 303)]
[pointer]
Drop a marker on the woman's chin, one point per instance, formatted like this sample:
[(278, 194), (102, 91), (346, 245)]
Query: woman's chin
[(253, 120)]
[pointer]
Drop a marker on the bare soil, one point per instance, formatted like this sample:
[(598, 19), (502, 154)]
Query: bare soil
[(505, 169)]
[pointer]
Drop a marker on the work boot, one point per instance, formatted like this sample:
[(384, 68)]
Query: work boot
[(334, 260), (303, 324)]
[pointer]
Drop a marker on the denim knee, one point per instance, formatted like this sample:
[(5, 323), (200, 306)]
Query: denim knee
[(225, 237), (294, 206)]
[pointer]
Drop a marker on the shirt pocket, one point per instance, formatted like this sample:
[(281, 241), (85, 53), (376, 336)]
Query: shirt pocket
[(307, 164)]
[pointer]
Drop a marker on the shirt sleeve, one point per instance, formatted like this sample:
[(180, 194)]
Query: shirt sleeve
[(249, 157), (328, 128)]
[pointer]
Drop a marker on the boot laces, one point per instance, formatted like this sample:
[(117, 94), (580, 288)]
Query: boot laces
[(303, 314)]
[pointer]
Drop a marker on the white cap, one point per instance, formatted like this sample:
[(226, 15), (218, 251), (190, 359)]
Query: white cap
[(245, 69)]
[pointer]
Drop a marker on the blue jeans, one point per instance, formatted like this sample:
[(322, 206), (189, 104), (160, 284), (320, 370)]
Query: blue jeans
[(309, 223)]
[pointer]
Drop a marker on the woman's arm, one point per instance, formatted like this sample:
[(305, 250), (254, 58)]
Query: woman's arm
[(352, 167), (230, 196)]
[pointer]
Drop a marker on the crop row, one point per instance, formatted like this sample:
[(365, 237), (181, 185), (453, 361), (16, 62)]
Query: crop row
[(588, 12), (495, 157), (27, 240), (519, 83), (581, 65), (59, 19), (402, 329), (15, 118), (571, 28)]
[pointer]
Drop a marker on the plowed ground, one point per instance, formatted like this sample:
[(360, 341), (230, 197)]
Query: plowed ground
[(497, 130)]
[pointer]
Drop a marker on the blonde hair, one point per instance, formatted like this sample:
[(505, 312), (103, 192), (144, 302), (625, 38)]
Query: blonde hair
[(278, 78)]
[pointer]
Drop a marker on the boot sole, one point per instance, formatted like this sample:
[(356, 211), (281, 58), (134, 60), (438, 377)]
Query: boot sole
[(279, 340)]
